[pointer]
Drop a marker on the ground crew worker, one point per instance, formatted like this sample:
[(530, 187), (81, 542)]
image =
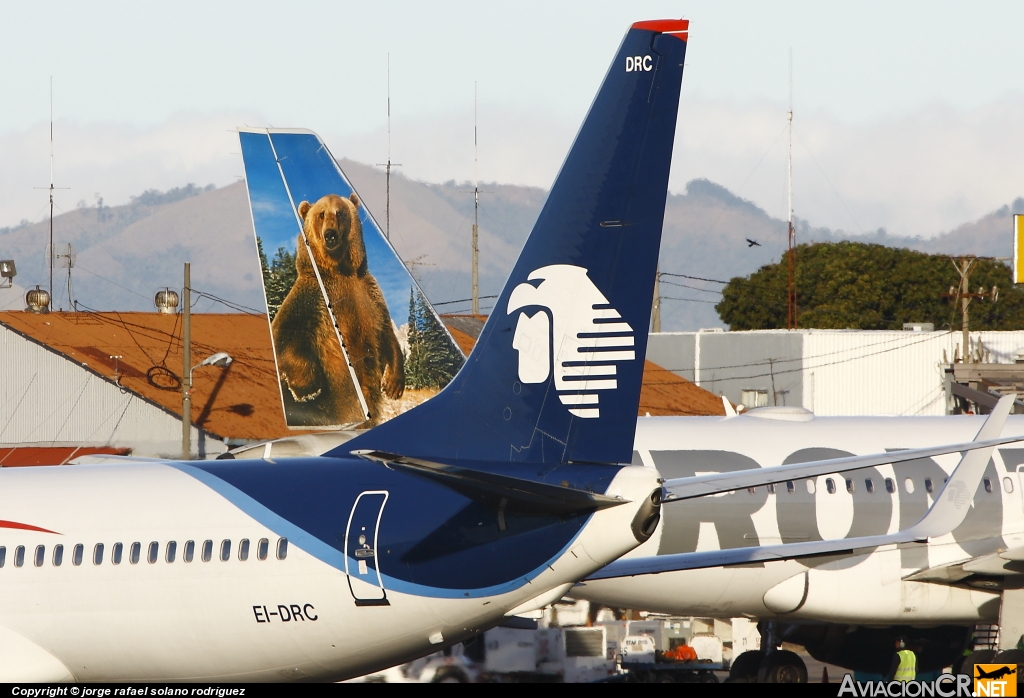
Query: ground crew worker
[(904, 662), (681, 653)]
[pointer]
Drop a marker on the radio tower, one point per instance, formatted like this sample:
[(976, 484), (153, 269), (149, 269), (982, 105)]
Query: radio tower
[(51, 188), (388, 165), (476, 215), (791, 320), (50, 248)]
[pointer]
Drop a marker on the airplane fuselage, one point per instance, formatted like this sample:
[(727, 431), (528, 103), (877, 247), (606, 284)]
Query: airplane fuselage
[(255, 570), (868, 588)]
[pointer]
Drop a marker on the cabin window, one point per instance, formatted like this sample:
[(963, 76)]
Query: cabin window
[(154, 552), (1007, 485), (135, 553), (207, 550), (19, 556), (282, 548), (830, 485), (40, 556), (262, 548), (908, 485), (77, 554), (172, 549), (115, 553), (225, 550), (810, 486), (3, 555), (890, 486), (771, 489), (97, 554), (790, 486), (58, 556), (869, 486), (928, 485), (243, 549), (988, 484), (751, 490), (190, 551), (850, 486)]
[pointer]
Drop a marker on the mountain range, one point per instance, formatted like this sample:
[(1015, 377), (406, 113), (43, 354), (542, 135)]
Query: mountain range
[(125, 254)]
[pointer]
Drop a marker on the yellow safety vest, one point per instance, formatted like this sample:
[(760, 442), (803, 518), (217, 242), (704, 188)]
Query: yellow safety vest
[(907, 670)]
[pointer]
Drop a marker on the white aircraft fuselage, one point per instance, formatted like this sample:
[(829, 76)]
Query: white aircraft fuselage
[(867, 588), (203, 611)]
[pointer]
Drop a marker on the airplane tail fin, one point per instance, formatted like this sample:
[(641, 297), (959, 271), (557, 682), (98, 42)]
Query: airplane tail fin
[(338, 295), (556, 371)]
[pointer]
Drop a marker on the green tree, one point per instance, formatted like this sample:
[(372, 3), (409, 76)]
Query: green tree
[(851, 285), (278, 276), (433, 359)]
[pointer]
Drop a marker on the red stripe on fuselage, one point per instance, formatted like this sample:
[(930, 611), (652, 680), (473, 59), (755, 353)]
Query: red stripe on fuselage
[(24, 527)]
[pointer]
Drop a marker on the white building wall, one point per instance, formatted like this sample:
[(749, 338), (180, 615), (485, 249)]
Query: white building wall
[(832, 372), (45, 398), (887, 373)]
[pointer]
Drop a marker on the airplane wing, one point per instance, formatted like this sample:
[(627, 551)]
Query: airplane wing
[(702, 485), (948, 511)]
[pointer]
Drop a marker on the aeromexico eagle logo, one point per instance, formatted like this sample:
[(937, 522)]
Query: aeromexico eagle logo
[(577, 334)]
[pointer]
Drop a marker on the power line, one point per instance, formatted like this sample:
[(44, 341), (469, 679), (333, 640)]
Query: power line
[(692, 300), (695, 288), (461, 300), (231, 304)]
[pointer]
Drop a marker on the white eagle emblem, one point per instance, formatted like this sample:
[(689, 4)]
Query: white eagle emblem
[(578, 333)]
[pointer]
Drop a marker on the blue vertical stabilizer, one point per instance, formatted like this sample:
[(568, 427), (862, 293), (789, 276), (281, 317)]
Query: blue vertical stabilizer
[(555, 375)]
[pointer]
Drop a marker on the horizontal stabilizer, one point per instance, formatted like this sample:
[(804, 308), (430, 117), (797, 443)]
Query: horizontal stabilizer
[(500, 491), (951, 506)]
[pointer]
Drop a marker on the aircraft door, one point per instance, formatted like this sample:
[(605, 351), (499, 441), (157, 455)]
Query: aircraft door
[(361, 562)]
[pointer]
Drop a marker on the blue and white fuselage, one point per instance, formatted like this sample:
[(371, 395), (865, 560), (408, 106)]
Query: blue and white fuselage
[(200, 607)]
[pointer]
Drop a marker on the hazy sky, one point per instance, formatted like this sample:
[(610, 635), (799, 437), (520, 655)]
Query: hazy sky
[(907, 114)]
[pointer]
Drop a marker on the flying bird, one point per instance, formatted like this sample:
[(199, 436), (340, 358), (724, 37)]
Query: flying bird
[(752, 243)]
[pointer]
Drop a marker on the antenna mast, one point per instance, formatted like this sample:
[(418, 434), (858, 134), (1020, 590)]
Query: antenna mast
[(50, 248), (51, 188), (388, 165), (791, 321), (476, 213)]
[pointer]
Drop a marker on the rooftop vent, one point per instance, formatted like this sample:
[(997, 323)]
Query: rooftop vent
[(37, 300), (166, 301)]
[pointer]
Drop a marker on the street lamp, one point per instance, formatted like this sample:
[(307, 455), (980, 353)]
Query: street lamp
[(7, 273), (222, 359)]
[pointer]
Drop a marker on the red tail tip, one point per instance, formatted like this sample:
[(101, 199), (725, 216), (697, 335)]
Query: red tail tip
[(665, 26)]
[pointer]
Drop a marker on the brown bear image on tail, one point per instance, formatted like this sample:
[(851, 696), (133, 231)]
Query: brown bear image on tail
[(315, 380)]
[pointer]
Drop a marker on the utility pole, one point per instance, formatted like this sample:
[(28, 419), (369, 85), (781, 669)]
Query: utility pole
[(963, 292), (186, 373), (791, 318), (476, 212), (388, 165), (656, 308)]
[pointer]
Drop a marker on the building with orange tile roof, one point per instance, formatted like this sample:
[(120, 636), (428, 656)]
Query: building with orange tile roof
[(115, 379), (112, 380)]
